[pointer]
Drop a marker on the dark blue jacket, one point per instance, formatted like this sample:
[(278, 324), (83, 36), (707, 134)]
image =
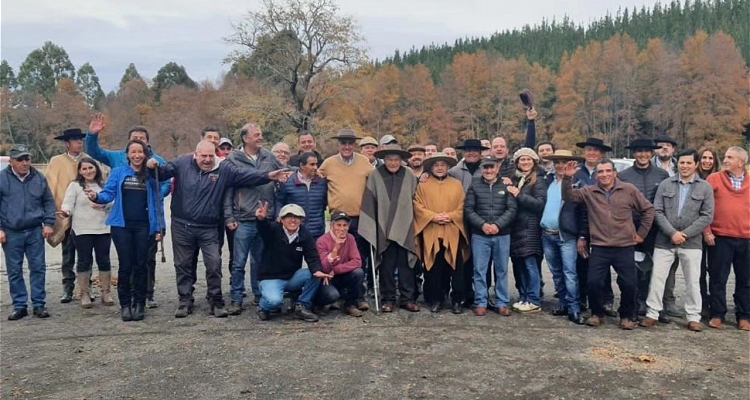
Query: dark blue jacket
[(491, 204), (313, 201), (25, 205), (115, 159), (198, 196), (113, 192), (573, 220), (283, 258)]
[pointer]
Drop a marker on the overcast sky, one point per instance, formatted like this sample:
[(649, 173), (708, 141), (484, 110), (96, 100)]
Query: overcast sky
[(110, 34)]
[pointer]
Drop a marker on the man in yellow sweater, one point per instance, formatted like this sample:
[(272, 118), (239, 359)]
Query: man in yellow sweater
[(63, 169), (347, 173)]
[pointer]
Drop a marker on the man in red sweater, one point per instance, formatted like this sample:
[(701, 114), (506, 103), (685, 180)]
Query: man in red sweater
[(729, 235), (339, 256)]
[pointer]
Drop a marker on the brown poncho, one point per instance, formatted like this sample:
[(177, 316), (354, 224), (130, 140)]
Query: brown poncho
[(435, 197)]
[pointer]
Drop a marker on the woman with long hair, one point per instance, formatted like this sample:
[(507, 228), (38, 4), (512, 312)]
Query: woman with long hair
[(134, 218), (709, 162), (530, 191), (89, 229)]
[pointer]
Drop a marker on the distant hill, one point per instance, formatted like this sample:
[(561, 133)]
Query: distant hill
[(546, 42)]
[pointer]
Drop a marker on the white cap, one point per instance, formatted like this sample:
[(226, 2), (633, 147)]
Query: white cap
[(387, 139), (292, 209)]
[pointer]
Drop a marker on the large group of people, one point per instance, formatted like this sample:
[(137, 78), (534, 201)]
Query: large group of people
[(404, 223)]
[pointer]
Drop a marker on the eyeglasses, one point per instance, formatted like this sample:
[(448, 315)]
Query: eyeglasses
[(282, 152)]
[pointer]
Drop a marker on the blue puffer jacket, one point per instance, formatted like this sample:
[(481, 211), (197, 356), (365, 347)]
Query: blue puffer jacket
[(313, 201), (113, 191), (25, 205)]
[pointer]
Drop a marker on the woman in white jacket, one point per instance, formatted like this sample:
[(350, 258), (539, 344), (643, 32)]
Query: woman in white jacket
[(90, 232)]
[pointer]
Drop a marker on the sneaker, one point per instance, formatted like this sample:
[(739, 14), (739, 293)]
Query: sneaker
[(516, 305), (218, 311), (183, 311), (528, 307), (234, 309), (263, 315), (305, 314), (151, 303), (353, 311)]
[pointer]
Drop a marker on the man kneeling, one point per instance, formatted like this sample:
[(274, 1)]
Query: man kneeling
[(341, 261), (281, 266)]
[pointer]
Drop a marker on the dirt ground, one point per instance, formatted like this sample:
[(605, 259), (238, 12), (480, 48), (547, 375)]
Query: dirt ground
[(92, 354)]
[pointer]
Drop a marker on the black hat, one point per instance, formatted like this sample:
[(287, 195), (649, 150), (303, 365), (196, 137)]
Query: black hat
[(647, 144), (472, 144), (346, 134), (18, 151), (390, 149), (339, 215), (594, 142), (72, 133), (491, 160), (665, 139)]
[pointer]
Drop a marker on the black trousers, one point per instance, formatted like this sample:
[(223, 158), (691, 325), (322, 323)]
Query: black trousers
[(86, 246), (622, 260), (441, 279), (396, 257), (364, 251), (185, 239), (730, 252), (153, 248), (345, 286), (68, 261), (582, 270), (706, 258), (131, 243)]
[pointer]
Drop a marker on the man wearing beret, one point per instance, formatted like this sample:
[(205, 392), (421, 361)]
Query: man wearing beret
[(27, 214)]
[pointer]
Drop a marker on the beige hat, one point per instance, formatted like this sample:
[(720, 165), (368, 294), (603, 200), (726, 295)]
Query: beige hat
[(368, 140), (563, 155), (427, 164), (525, 151), (292, 209)]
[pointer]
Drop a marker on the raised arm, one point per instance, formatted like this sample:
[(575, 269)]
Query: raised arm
[(107, 157), (530, 141)]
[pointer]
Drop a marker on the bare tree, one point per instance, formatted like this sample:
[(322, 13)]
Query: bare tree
[(302, 44)]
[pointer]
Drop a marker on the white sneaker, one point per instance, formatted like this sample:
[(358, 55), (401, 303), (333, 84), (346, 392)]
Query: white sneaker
[(517, 304), (528, 308)]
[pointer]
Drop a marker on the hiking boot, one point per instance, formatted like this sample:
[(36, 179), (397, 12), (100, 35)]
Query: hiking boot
[(218, 311), (263, 315), (183, 311), (627, 324), (648, 322), (304, 313), (353, 311), (234, 309), (594, 321)]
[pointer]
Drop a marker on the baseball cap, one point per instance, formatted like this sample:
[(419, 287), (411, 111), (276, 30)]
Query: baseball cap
[(388, 139), (339, 215), (18, 151), (225, 141), (292, 209), (488, 161)]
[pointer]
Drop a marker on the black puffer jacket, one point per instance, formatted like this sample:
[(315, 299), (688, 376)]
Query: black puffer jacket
[(491, 204), (646, 180), (526, 238)]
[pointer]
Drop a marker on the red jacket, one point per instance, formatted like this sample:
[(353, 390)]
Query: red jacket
[(732, 207), (349, 258)]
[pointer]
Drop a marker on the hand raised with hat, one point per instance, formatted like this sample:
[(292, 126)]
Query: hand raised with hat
[(97, 123)]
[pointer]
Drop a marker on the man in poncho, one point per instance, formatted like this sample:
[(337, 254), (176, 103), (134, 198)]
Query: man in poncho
[(385, 221), (441, 239)]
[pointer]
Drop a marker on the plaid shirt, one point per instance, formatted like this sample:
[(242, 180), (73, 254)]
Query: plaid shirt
[(737, 180)]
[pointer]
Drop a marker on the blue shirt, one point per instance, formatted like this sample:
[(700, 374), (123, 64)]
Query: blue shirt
[(685, 189), (551, 215)]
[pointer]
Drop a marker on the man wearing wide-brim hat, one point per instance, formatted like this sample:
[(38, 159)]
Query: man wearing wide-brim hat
[(442, 242), (562, 224), (594, 150), (664, 157), (386, 223), (646, 177), (62, 170), (416, 160), (347, 173)]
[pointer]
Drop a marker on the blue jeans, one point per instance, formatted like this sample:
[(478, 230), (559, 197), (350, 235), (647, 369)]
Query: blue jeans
[(561, 258), (495, 249), (272, 290), (247, 241), (31, 243), (529, 287)]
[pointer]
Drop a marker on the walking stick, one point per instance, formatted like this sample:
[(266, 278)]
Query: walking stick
[(160, 213), (375, 280)]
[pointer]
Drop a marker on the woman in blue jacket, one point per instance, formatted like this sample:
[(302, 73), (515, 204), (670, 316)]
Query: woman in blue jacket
[(136, 215)]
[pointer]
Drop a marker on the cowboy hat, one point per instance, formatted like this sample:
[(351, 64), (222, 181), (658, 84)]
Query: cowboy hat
[(416, 147), (594, 142), (393, 149), (427, 164), (472, 144), (647, 144), (72, 133), (346, 134), (563, 155), (665, 139)]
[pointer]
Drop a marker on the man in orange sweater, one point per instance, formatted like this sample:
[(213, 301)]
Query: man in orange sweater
[(729, 234)]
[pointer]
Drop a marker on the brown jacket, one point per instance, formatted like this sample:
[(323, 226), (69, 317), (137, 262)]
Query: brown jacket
[(611, 220)]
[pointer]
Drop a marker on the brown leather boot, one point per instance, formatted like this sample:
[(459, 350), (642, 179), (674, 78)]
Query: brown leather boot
[(83, 287), (105, 279)]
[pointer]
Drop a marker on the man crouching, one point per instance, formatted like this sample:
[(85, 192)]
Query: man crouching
[(340, 258), (281, 269)]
